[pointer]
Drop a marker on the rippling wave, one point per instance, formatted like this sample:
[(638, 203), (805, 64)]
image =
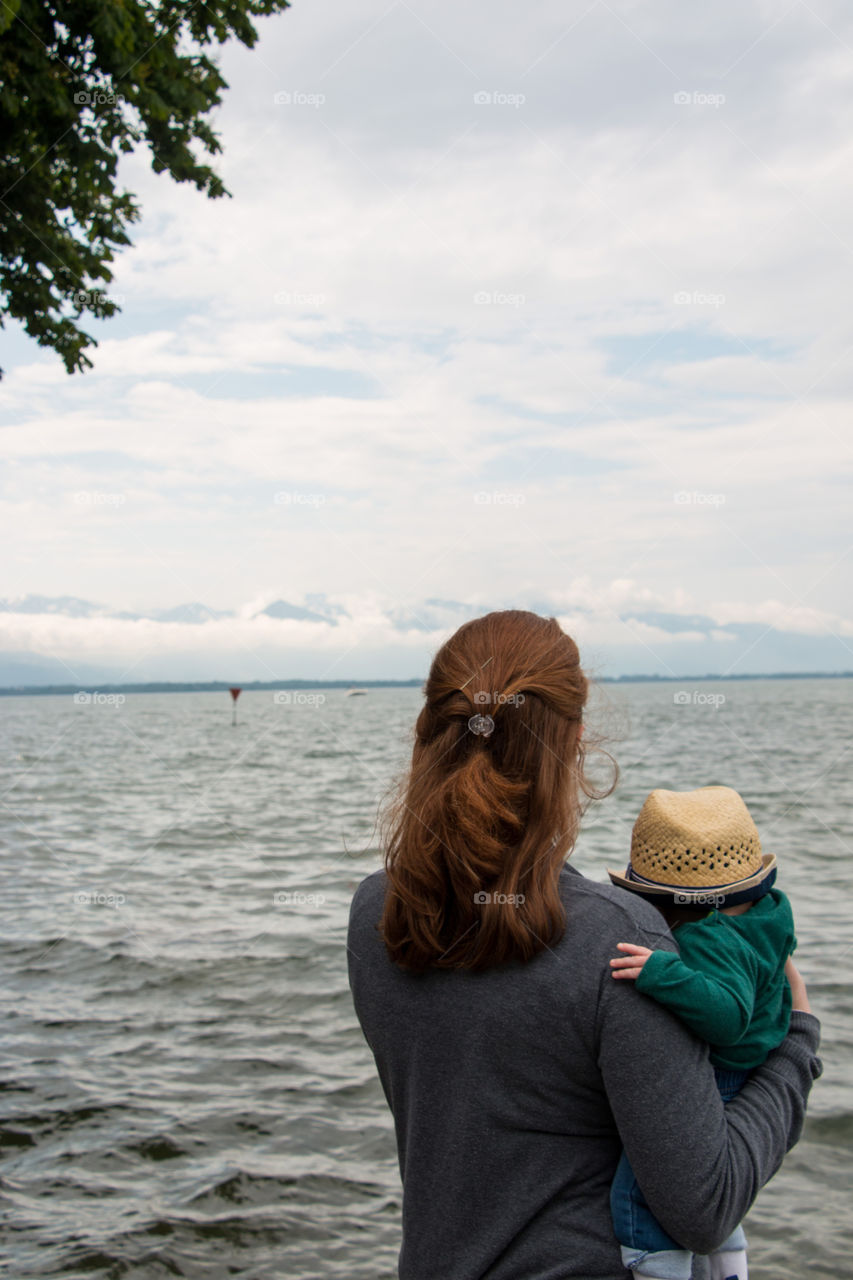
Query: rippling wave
[(184, 1089)]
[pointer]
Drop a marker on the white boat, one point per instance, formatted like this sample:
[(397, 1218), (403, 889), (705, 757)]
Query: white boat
[(354, 693)]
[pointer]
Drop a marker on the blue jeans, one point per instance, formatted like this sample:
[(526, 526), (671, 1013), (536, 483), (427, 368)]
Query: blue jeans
[(646, 1247)]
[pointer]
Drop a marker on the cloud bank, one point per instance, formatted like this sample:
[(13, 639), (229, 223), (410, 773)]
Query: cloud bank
[(507, 305)]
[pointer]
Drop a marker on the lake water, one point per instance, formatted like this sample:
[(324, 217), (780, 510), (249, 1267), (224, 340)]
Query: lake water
[(184, 1089)]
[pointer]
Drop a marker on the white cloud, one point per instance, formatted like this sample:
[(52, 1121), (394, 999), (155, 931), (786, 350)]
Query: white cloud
[(319, 333), (773, 613)]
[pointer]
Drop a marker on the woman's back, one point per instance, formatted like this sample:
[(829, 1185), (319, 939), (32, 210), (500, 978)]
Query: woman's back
[(498, 1081), (479, 963)]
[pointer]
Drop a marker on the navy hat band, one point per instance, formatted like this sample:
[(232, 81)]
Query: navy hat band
[(732, 896)]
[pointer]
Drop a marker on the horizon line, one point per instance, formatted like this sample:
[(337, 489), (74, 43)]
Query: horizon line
[(261, 686)]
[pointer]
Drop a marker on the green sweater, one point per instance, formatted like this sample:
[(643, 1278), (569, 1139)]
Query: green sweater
[(728, 984)]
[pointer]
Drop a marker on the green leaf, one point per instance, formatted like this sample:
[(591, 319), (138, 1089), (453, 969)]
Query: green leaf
[(83, 82)]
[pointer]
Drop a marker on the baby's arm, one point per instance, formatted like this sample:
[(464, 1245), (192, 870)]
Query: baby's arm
[(718, 1008), (797, 985)]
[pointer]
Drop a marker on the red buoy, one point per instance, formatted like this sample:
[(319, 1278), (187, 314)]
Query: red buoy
[(235, 694)]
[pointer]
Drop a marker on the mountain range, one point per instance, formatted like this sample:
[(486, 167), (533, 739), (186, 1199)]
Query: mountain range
[(648, 642), (194, 613)]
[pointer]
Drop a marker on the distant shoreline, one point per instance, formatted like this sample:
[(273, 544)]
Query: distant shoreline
[(261, 686)]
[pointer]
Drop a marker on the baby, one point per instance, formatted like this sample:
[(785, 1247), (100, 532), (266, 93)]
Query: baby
[(697, 856)]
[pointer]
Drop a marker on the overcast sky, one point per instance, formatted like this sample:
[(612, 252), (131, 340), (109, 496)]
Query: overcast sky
[(542, 305)]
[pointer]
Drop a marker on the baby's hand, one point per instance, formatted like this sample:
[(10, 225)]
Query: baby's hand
[(630, 966)]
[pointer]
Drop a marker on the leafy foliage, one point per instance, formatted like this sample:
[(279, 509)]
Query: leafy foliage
[(81, 82)]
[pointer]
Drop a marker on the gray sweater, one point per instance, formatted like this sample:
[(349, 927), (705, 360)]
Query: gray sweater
[(513, 1089)]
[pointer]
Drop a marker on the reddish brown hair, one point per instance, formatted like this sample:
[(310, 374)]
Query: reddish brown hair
[(480, 826)]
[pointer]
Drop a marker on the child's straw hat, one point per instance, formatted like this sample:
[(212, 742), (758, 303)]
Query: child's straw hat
[(697, 845)]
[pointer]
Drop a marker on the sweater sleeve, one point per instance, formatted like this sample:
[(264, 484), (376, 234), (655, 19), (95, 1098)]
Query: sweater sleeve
[(700, 1164), (713, 990)]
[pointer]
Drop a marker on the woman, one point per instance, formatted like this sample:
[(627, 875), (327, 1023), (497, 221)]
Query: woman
[(513, 1064)]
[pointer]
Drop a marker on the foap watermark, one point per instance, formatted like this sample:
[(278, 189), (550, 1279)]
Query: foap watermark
[(95, 298), (98, 98), (96, 898), (696, 698), (700, 899), (497, 98), (295, 698), (99, 498), (297, 898), (297, 98), (84, 699), (486, 697), (494, 298), (293, 498), (693, 498), (504, 899), (291, 298), (498, 498), (696, 298), (698, 98)]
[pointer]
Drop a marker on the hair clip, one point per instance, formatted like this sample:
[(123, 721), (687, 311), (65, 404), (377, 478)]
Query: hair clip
[(481, 724)]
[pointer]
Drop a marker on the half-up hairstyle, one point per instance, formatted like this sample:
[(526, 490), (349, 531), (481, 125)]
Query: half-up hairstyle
[(481, 824)]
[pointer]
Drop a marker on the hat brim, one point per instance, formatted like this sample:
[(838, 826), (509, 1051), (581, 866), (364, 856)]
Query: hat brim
[(685, 892)]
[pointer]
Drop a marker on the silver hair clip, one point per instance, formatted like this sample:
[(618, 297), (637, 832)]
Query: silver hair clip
[(481, 724)]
